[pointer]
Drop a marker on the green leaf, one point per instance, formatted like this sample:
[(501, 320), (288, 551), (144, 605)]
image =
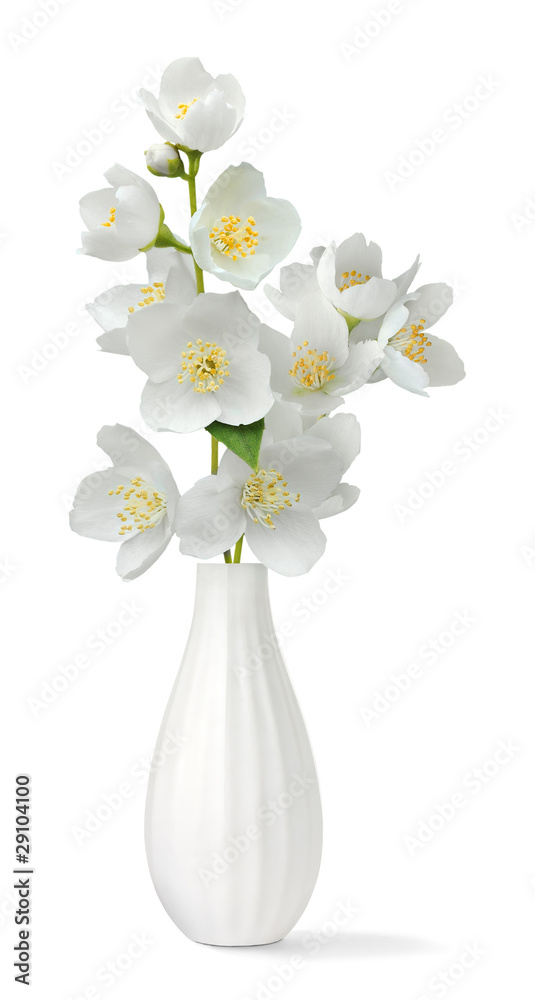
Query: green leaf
[(244, 440)]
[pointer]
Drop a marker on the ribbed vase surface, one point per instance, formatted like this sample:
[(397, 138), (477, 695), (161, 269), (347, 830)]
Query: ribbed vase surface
[(233, 817)]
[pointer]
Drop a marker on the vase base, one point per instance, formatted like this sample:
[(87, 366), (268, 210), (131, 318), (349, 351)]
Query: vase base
[(250, 944)]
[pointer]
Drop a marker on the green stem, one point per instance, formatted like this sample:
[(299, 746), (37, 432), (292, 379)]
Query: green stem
[(215, 459), (194, 159), (237, 550)]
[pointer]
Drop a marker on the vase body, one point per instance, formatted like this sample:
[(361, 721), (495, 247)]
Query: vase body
[(233, 818)]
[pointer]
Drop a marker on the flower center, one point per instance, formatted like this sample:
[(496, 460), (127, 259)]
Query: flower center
[(352, 278), (111, 218), (233, 237), (184, 108), (412, 343), (205, 364), (311, 370), (144, 506), (265, 494), (153, 293)]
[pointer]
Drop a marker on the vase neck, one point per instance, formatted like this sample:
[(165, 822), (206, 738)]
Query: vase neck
[(231, 584), (231, 604)]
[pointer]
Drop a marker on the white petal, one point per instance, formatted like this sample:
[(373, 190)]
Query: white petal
[(378, 376), (183, 80), (319, 323), (132, 455), (233, 471), (110, 309), (278, 300), (430, 302), (366, 330), (395, 319), (163, 261), (310, 465), (136, 203), (366, 301), (407, 374), (200, 242), (138, 214), (94, 512), (234, 188), (125, 446), (233, 93), (296, 281), (278, 225), (209, 123), (152, 107), (364, 358), (223, 319), (278, 349), (171, 406), (113, 342), (137, 554), (283, 421), (155, 340), (342, 498), (354, 254), (119, 176), (313, 403), (316, 254), (246, 395), (180, 286), (290, 548), (107, 245), (343, 434), (208, 521), (95, 207), (245, 274), (404, 281), (444, 366)]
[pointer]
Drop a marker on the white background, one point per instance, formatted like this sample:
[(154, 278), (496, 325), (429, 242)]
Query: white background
[(352, 106)]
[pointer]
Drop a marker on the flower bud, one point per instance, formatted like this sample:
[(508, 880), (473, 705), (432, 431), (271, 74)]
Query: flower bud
[(163, 160)]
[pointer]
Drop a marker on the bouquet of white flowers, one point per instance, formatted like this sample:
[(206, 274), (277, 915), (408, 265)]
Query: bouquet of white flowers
[(211, 363)]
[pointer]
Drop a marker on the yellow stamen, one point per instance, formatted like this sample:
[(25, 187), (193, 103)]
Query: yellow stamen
[(311, 370), (264, 495), (184, 108), (351, 278), (110, 220), (232, 237), (206, 366), (144, 507), (412, 343), (153, 293)]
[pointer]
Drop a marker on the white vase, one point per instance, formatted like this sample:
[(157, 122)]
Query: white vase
[(233, 818)]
